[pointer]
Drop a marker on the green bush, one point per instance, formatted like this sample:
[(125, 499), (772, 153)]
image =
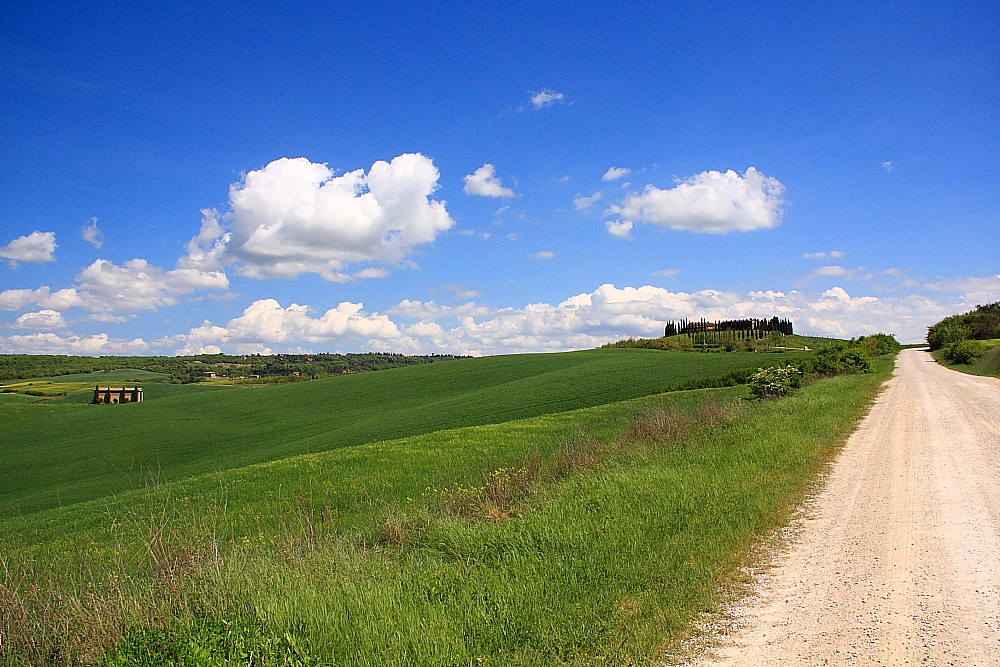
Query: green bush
[(983, 323), (963, 352), (775, 382), (877, 345), (841, 359), (946, 333)]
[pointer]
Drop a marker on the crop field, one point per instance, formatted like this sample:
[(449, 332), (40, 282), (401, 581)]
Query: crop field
[(574, 536), (79, 387), (61, 454)]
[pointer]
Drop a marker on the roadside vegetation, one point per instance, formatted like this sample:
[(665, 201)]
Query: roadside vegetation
[(969, 342), (570, 535)]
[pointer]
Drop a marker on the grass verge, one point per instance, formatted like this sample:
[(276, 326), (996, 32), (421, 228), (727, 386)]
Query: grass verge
[(589, 536), (987, 365)]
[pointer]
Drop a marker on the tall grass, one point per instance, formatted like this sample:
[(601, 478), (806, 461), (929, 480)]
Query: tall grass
[(591, 536)]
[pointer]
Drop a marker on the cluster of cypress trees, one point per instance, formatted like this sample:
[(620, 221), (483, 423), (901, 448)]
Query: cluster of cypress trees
[(753, 327)]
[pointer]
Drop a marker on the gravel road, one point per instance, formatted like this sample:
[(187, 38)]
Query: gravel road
[(897, 561)]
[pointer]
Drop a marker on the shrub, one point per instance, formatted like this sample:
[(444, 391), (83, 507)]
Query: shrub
[(841, 359), (947, 332), (775, 382), (963, 352), (983, 323), (877, 345)]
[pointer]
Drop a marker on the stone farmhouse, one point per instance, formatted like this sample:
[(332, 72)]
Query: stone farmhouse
[(108, 395)]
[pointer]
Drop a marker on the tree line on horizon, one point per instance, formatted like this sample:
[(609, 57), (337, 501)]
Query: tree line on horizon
[(192, 368), (754, 327)]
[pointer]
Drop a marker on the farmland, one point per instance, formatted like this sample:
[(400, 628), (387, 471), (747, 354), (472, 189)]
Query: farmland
[(61, 454), (542, 509)]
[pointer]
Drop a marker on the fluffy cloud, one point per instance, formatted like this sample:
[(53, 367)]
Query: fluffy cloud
[(582, 202), (582, 321), (835, 254), (51, 343), (543, 254), (17, 299), (42, 320), (104, 287), (546, 98), (614, 173), (484, 183), (91, 234), (712, 202), (974, 290), (294, 216), (36, 247), (265, 322), (622, 230), (138, 285)]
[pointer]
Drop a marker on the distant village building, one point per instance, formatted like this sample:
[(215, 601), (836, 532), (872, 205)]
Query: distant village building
[(110, 395), (209, 374)]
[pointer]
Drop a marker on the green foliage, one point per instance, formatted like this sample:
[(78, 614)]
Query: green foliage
[(775, 382), (60, 454), (963, 352), (877, 344), (210, 643), (983, 323), (947, 332)]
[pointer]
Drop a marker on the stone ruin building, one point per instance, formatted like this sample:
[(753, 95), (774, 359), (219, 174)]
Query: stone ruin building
[(109, 395)]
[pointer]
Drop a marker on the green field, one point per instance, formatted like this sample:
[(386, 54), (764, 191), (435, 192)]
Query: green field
[(78, 388), (62, 454), (617, 524)]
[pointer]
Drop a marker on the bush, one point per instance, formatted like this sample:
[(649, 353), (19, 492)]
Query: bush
[(775, 382), (964, 352), (877, 345), (841, 359), (983, 323), (946, 333)]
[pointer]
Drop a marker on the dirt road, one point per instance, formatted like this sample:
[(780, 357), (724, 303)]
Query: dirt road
[(898, 560)]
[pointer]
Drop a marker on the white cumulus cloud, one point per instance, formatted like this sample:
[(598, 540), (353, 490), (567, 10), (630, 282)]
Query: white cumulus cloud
[(546, 98), (294, 216), (484, 183), (582, 202), (138, 285), (52, 343), (36, 248), (622, 230), (614, 173), (91, 234), (43, 320), (543, 254), (266, 322), (712, 202)]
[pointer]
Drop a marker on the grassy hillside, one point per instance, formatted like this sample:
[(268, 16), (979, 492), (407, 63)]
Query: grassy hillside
[(583, 537), (62, 454)]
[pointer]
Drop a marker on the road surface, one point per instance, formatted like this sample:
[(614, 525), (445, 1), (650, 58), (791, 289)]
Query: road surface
[(898, 559)]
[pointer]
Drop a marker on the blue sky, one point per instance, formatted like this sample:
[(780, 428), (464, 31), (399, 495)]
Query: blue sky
[(489, 178)]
